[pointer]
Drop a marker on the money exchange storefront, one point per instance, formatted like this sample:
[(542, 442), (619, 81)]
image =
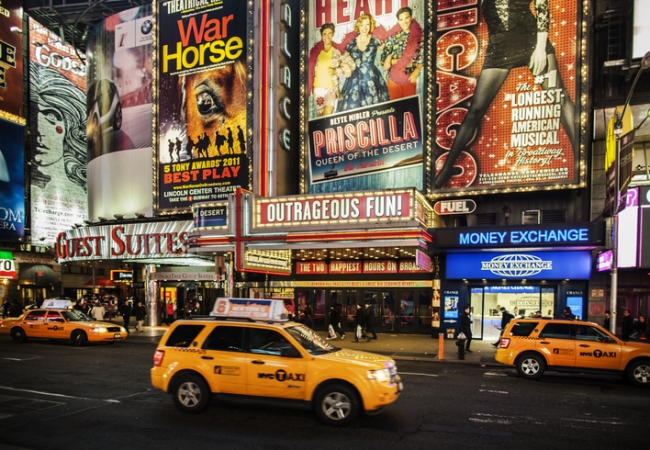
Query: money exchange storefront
[(521, 268)]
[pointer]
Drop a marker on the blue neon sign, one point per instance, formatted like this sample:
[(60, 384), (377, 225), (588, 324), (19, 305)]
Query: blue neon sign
[(573, 235), (518, 266)]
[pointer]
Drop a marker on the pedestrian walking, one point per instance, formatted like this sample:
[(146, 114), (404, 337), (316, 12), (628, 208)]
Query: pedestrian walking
[(361, 322), (506, 317), (370, 321), (608, 320), (335, 324), (627, 325), (466, 327), (140, 313), (98, 311), (127, 312), (568, 315)]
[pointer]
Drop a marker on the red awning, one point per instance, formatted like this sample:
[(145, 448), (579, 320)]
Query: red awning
[(99, 282)]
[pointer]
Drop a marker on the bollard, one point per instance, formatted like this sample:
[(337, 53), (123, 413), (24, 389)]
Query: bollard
[(441, 346), (460, 343)]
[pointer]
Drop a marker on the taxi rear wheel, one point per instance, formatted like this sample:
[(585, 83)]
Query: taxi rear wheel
[(191, 394), (79, 338), (18, 335), (639, 373), (337, 405), (530, 366)]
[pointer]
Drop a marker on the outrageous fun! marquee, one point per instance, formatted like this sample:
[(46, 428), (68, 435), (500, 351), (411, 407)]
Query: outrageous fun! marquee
[(516, 64)]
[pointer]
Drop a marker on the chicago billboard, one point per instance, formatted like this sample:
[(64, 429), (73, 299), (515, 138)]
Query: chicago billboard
[(507, 78), (12, 180), (119, 108), (366, 85), (11, 61), (202, 151), (57, 85)]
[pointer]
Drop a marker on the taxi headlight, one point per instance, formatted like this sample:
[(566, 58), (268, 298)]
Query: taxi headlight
[(98, 330), (381, 375)]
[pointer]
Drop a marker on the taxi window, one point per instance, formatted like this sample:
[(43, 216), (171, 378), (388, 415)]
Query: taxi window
[(270, 342), (556, 331), (225, 338), (183, 335), (523, 328), (54, 316), (36, 315), (589, 333)]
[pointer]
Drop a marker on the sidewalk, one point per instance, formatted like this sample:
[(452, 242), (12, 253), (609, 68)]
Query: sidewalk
[(405, 347)]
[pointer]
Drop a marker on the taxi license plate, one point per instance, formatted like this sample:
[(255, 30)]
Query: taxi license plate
[(117, 335)]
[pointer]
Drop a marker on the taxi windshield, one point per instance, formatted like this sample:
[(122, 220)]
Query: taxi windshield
[(73, 315), (310, 341)]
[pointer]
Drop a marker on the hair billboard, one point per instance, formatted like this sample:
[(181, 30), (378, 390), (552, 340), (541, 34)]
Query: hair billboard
[(366, 94), (507, 77), (202, 152), (57, 85)]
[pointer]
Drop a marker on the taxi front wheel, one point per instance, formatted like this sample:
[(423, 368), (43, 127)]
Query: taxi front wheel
[(639, 373), (337, 405), (530, 366), (79, 338), (191, 394)]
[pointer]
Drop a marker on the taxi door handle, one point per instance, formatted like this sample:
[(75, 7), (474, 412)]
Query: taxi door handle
[(545, 342), (257, 362), (584, 345), (207, 357)]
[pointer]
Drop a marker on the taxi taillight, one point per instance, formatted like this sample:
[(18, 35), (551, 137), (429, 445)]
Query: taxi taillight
[(158, 358), (505, 343)]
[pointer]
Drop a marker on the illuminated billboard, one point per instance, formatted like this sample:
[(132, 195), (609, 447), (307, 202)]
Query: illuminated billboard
[(119, 114), (11, 61), (57, 84), (202, 152), (366, 94), (506, 115), (12, 180)]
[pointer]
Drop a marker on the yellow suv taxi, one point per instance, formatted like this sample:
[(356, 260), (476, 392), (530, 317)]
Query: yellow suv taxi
[(536, 345), (56, 319), (247, 349)]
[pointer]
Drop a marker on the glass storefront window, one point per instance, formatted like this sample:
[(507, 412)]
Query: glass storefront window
[(406, 310), (424, 310)]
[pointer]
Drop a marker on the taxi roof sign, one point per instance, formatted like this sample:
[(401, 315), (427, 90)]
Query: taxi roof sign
[(56, 303), (250, 308)]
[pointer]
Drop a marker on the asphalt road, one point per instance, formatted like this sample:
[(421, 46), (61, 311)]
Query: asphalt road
[(56, 396)]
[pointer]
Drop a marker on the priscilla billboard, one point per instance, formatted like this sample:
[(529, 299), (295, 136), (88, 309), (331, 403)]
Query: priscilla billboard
[(202, 120), (366, 84), (507, 78), (57, 94)]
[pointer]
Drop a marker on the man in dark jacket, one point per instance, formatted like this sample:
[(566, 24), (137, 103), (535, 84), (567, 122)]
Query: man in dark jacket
[(466, 327), (361, 322), (140, 313), (370, 321), (506, 317), (127, 312), (627, 325), (335, 319)]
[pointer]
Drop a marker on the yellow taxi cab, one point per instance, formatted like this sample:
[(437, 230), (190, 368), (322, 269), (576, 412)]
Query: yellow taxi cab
[(533, 346), (56, 319), (247, 350)]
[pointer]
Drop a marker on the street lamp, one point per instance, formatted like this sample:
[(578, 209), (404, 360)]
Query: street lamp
[(618, 204)]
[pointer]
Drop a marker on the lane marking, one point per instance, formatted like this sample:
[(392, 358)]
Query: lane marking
[(604, 422), (493, 391), (495, 374), (499, 421), (52, 394), (420, 374)]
